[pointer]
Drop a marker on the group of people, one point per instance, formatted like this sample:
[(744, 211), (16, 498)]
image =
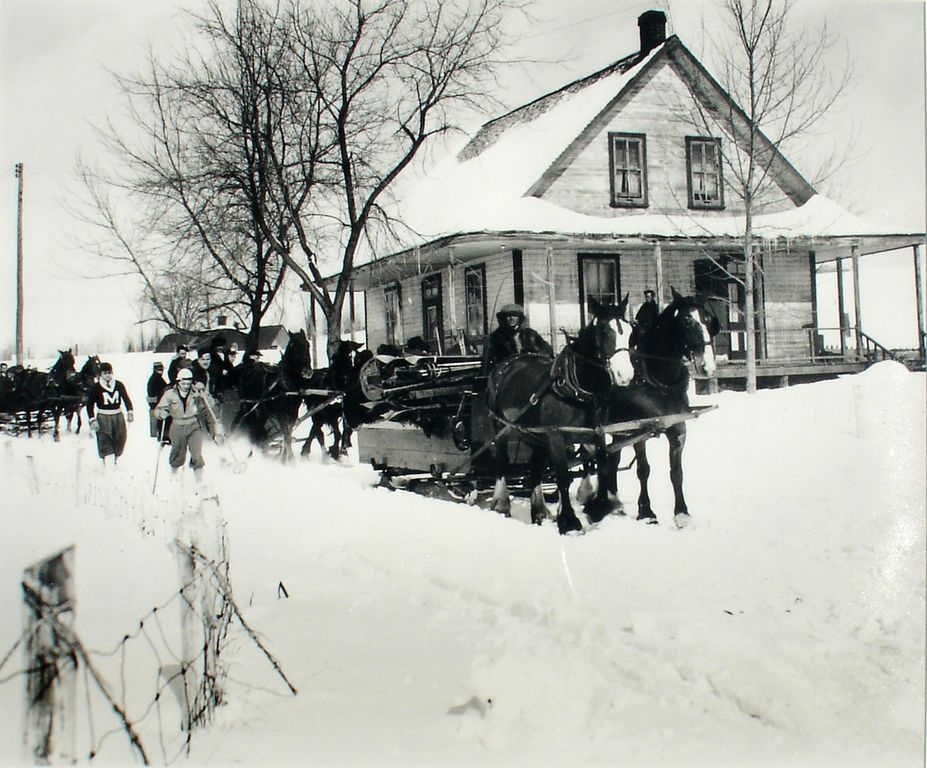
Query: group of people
[(182, 407), (186, 403), (191, 398)]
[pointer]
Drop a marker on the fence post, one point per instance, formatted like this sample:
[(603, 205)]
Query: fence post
[(51, 661), (203, 562)]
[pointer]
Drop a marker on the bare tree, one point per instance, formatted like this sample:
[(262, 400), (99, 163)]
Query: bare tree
[(273, 144), (773, 69), (385, 75), (192, 176)]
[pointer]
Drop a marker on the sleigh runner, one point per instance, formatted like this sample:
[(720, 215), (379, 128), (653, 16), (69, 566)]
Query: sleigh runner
[(408, 458)]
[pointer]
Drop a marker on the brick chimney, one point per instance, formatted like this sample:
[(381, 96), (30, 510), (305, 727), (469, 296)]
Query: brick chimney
[(653, 30)]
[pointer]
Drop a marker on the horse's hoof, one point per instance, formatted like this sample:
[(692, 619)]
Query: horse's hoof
[(596, 511), (568, 524), (683, 520), (647, 517)]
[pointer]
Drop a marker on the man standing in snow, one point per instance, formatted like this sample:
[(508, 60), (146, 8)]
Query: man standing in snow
[(156, 387), (191, 411), (105, 401), (201, 370), (179, 361)]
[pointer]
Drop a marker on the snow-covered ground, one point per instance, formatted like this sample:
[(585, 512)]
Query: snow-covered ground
[(785, 627)]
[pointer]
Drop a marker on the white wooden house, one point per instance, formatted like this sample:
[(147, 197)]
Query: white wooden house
[(605, 187)]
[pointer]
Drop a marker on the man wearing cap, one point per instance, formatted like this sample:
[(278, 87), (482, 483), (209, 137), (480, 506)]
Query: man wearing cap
[(512, 337), (647, 314), (105, 400), (220, 369), (191, 411), (179, 361), (156, 387)]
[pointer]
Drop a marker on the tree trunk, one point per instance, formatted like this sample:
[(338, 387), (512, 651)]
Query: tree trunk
[(334, 330), (749, 307)]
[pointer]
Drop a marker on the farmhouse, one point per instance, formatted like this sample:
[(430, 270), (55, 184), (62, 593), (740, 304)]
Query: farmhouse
[(609, 186)]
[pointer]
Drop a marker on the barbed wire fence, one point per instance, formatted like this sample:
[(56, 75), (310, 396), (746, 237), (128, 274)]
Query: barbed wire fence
[(147, 695)]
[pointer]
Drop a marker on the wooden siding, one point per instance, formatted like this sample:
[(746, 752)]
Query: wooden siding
[(655, 107), (787, 291), (500, 290)]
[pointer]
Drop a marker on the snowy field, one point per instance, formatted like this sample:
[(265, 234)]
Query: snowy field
[(784, 628)]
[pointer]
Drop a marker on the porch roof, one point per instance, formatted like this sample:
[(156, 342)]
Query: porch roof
[(819, 226)]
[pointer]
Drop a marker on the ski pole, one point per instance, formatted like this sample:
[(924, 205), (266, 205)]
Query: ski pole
[(158, 460)]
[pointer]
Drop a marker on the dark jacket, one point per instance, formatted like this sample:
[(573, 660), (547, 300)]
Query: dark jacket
[(175, 365), (508, 342), (156, 387), (646, 316), (221, 374), (201, 374)]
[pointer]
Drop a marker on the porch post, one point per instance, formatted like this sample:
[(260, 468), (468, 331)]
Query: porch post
[(452, 304), (658, 266), (313, 332), (841, 309), (551, 297), (919, 289), (856, 301), (352, 311)]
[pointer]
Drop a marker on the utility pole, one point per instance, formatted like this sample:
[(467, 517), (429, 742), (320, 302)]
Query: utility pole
[(19, 263)]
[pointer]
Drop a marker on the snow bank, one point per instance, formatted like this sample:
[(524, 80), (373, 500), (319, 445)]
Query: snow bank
[(785, 627)]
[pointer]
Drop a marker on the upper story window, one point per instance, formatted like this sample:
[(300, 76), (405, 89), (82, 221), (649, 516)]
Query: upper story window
[(703, 160), (628, 157)]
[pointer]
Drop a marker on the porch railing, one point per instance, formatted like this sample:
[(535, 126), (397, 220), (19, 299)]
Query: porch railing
[(807, 345)]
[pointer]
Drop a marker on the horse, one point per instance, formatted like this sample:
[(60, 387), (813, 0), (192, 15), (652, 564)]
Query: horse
[(269, 395), (73, 387), (38, 392), (683, 331), (338, 377), (543, 403)]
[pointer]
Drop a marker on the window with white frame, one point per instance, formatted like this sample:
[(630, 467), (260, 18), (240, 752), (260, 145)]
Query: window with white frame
[(628, 160), (706, 183)]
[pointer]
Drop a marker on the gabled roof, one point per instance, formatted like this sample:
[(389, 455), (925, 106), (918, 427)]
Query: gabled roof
[(492, 185)]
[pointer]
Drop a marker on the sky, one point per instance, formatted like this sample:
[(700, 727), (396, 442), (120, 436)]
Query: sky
[(56, 55), (784, 627)]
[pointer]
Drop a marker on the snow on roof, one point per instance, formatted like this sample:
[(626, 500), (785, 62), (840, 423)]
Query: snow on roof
[(482, 188), (484, 191)]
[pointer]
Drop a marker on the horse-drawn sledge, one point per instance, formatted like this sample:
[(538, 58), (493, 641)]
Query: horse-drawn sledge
[(34, 401), (448, 428), (443, 425)]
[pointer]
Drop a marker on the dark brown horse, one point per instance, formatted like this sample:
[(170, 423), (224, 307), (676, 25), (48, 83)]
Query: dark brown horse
[(73, 389), (270, 396), (339, 377), (551, 406), (36, 394), (683, 331)]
